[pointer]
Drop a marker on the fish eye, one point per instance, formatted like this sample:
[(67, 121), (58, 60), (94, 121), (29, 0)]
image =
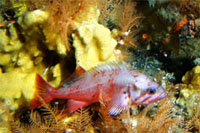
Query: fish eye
[(151, 90)]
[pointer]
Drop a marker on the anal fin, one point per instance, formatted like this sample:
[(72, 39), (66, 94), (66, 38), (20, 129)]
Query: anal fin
[(73, 105)]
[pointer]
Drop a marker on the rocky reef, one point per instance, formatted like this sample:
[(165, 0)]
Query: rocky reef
[(55, 37)]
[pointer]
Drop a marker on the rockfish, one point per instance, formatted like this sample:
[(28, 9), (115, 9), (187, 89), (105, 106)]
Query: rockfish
[(116, 84)]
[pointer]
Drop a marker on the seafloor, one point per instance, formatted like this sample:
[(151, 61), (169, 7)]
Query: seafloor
[(54, 38)]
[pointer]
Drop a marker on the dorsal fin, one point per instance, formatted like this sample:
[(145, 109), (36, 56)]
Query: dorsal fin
[(110, 66), (104, 67), (78, 72)]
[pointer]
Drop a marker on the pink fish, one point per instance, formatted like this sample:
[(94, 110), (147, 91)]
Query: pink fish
[(116, 84)]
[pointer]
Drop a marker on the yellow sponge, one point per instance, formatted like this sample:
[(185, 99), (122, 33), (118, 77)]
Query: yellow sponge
[(93, 42)]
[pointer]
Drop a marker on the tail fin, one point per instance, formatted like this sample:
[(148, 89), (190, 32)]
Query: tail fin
[(42, 92)]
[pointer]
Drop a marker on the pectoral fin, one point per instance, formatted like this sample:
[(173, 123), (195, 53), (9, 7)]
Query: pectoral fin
[(73, 105), (119, 102)]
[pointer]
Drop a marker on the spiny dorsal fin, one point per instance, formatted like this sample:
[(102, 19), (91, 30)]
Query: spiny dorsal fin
[(79, 71), (74, 76), (110, 67)]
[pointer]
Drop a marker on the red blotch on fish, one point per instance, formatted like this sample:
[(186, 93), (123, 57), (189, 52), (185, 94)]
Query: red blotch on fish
[(116, 84)]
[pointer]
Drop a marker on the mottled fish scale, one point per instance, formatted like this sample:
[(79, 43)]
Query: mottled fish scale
[(103, 73), (115, 83)]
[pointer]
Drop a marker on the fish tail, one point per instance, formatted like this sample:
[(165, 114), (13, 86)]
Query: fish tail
[(42, 93)]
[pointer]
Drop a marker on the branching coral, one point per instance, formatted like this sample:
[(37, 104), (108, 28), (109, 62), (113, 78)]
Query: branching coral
[(53, 119), (162, 121), (107, 123), (81, 121), (121, 15), (60, 22)]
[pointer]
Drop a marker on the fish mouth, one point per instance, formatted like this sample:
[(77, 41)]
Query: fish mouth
[(145, 99), (153, 99)]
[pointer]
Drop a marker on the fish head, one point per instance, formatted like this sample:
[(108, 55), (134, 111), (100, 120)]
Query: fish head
[(144, 90)]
